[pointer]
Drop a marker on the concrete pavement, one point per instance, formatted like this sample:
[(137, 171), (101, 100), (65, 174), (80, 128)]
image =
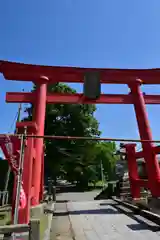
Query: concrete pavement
[(82, 218), (100, 220), (77, 196)]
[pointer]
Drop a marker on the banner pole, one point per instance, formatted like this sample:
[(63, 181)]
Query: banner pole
[(19, 177)]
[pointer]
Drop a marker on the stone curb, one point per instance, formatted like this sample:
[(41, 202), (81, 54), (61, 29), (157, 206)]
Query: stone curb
[(49, 209)]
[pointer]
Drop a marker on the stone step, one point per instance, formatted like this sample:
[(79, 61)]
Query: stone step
[(125, 194), (143, 194), (125, 190), (125, 184)]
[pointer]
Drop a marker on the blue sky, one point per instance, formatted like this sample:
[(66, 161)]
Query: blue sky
[(86, 33)]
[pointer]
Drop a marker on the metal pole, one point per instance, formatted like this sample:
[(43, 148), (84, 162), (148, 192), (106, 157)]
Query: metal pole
[(19, 177), (7, 178), (85, 138), (9, 168), (102, 175), (6, 184)]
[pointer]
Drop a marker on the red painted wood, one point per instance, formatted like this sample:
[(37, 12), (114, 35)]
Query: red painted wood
[(28, 72), (14, 97)]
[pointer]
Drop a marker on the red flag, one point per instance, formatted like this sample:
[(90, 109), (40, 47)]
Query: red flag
[(10, 146)]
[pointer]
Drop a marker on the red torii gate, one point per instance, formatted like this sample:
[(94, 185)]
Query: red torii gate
[(44, 75)]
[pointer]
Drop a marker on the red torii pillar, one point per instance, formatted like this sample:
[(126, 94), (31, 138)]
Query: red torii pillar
[(39, 117), (145, 134), (133, 170), (27, 177), (33, 166), (33, 173)]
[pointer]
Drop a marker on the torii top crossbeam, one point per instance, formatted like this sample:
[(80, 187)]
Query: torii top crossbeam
[(28, 72)]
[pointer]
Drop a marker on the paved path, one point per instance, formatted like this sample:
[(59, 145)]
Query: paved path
[(100, 220), (61, 223), (82, 218), (77, 196), (61, 226)]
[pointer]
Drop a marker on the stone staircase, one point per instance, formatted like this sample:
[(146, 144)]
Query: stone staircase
[(125, 191)]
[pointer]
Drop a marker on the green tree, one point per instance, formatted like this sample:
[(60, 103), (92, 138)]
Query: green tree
[(66, 158), (105, 154), (88, 169)]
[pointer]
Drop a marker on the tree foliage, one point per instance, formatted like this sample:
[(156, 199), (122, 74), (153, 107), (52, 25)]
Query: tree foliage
[(75, 160)]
